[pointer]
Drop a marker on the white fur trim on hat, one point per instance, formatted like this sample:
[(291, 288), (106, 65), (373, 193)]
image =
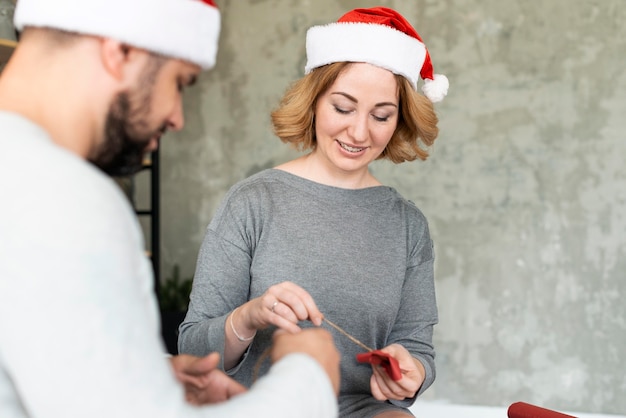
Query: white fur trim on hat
[(184, 29), (379, 45)]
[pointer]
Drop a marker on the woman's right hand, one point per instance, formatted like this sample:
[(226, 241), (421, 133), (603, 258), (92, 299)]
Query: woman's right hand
[(282, 305)]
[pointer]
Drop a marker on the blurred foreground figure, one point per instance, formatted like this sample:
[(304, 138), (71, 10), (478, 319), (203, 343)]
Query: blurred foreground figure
[(90, 89)]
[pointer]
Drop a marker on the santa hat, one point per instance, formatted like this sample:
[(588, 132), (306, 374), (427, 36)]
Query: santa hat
[(378, 36), (184, 29)]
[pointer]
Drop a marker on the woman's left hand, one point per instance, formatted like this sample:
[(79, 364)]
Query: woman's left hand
[(384, 388)]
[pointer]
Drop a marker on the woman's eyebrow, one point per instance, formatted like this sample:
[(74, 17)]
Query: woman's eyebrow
[(353, 99)]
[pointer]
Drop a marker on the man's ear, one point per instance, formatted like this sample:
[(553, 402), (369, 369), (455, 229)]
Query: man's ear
[(115, 56)]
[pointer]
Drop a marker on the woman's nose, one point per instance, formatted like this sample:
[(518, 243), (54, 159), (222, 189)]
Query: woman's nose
[(359, 129)]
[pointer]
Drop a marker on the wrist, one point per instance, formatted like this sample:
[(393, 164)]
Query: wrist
[(238, 335)]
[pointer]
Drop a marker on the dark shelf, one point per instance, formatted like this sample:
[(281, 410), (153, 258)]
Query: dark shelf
[(155, 217), (128, 185)]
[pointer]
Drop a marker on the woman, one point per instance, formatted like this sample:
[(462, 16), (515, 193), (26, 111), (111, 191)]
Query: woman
[(320, 237)]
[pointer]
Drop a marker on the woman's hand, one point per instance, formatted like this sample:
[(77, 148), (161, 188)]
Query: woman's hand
[(384, 388), (282, 305)]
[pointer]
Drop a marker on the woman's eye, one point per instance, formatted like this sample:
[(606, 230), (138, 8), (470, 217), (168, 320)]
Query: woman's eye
[(342, 111), (381, 118)]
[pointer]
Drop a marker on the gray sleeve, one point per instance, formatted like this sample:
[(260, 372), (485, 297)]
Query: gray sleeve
[(221, 282), (417, 314)]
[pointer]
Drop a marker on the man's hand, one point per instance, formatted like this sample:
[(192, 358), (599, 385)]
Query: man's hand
[(317, 343), (203, 382)]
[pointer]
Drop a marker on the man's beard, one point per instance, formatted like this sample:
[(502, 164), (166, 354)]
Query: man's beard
[(126, 137), (127, 132)]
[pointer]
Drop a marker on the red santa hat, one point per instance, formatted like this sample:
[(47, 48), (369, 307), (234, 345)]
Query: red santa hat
[(184, 29), (378, 36)]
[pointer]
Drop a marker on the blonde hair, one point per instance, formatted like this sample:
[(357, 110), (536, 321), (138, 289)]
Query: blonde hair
[(294, 119)]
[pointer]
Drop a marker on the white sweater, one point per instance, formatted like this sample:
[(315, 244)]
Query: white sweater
[(79, 329)]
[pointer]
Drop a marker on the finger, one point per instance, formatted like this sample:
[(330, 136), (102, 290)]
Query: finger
[(185, 364), (277, 334), (285, 324), (413, 372), (235, 388), (313, 312), (382, 383), (259, 312), (282, 302), (299, 301), (197, 373), (283, 310), (283, 294), (204, 364), (387, 386), (278, 314), (375, 389), (219, 388)]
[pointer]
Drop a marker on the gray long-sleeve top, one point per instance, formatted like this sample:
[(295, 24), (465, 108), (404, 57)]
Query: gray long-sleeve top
[(365, 256)]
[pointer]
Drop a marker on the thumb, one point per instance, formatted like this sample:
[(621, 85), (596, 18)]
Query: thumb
[(195, 366), (205, 364)]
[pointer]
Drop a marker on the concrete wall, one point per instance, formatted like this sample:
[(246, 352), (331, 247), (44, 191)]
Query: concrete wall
[(525, 191)]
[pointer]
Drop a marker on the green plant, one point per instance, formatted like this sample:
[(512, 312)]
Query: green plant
[(174, 292)]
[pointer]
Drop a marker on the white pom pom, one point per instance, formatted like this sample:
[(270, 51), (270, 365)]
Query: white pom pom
[(437, 88)]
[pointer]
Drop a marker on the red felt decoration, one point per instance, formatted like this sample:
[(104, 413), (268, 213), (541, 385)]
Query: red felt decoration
[(380, 358)]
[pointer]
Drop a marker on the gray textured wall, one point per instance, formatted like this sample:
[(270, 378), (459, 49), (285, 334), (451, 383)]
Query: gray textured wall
[(525, 191)]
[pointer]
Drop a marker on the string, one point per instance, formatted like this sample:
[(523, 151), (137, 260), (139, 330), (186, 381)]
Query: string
[(265, 354), (350, 337)]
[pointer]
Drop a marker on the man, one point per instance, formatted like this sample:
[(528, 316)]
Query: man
[(91, 87)]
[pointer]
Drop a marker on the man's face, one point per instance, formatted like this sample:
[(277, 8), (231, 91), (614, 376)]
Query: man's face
[(139, 117)]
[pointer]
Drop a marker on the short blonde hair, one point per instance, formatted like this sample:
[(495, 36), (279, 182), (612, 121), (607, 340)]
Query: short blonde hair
[(294, 119)]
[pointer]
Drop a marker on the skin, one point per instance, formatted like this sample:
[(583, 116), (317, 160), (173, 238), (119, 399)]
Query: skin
[(88, 75), (204, 382), (91, 75), (360, 110), (130, 131), (354, 121)]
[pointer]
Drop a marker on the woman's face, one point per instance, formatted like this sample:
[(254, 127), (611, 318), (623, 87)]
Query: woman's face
[(356, 117)]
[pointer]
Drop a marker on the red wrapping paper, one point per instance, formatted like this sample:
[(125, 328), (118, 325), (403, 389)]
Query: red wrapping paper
[(525, 410)]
